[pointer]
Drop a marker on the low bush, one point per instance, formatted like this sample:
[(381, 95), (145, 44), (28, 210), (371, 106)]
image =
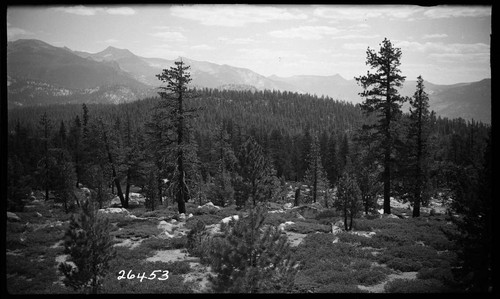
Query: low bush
[(156, 244), (308, 228), (328, 214), (416, 286), (370, 276), (15, 228), (404, 264), (207, 219), (340, 288), (442, 274), (348, 237), (142, 229)]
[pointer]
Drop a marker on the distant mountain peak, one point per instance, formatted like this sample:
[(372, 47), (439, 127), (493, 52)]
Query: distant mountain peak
[(112, 53)]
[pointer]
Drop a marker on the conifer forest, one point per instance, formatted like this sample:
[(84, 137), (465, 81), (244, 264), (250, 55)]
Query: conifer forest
[(240, 190)]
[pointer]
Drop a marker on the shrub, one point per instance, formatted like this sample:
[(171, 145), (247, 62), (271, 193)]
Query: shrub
[(416, 286), (206, 219), (248, 259), (367, 276), (442, 274), (347, 237), (404, 265), (195, 238), (340, 288), (328, 213), (156, 244), (89, 245), (308, 228)]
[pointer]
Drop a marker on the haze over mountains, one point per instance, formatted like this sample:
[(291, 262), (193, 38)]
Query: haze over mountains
[(39, 73)]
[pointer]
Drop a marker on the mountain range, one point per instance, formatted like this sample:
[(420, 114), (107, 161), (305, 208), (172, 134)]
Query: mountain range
[(39, 73)]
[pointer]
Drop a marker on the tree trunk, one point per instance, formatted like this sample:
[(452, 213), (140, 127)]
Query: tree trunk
[(297, 197), (127, 186), (115, 177), (315, 185)]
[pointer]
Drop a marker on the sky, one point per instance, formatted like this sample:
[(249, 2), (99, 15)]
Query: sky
[(443, 44)]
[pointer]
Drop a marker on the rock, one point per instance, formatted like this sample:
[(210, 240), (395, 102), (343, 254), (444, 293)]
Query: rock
[(115, 202), (114, 211), (227, 219), (182, 217), (13, 217), (213, 229), (316, 205), (336, 228), (307, 211), (273, 206), (86, 192), (300, 217), (209, 205), (166, 227), (288, 206), (392, 216), (336, 240), (190, 215), (283, 225)]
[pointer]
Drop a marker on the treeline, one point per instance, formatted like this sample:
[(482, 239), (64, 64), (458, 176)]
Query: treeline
[(284, 124)]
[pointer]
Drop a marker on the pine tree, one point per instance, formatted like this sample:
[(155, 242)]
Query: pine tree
[(174, 117), (151, 188), (348, 195), (45, 125), (258, 181), (315, 176), (90, 248), (251, 257), (381, 96), (472, 194), (418, 136), (366, 168), (62, 177)]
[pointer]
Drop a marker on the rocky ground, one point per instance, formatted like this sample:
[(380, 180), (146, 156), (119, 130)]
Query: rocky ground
[(295, 222)]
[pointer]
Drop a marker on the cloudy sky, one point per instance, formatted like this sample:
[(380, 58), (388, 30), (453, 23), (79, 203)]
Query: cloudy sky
[(444, 44)]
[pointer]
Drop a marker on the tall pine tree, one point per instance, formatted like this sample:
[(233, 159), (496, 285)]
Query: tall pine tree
[(176, 117), (382, 97), (418, 137)]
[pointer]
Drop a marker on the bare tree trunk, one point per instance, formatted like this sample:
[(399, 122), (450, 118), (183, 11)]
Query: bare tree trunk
[(113, 169)]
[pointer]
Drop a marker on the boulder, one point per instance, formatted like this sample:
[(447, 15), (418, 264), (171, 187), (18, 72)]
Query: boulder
[(164, 226), (86, 192), (114, 211), (209, 205), (307, 211), (283, 225), (288, 206), (134, 199), (13, 217), (227, 219), (182, 217), (115, 202), (337, 227)]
